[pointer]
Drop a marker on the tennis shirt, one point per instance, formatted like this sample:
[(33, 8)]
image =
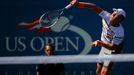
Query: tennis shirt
[(110, 33)]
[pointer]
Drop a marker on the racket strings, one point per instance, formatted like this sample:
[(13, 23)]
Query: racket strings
[(49, 18)]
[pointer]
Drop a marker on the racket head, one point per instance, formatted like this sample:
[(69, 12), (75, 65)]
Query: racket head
[(49, 18)]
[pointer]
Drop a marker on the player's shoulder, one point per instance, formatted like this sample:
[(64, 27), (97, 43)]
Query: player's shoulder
[(104, 13), (119, 31)]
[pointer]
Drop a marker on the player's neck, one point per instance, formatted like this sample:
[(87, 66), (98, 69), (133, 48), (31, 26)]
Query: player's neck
[(116, 25)]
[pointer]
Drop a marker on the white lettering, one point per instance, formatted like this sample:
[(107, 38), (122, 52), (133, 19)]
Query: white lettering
[(75, 45), (33, 43), (59, 44), (11, 43), (37, 43), (21, 43)]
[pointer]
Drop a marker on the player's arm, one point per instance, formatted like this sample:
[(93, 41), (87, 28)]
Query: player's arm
[(38, 69), (37, 73), (110, 46), (91, 6)]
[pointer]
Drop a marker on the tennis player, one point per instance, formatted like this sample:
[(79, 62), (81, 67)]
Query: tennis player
[(112, 36)]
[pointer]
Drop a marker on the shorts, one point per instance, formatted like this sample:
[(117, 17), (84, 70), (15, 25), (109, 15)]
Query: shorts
[(107, 63)]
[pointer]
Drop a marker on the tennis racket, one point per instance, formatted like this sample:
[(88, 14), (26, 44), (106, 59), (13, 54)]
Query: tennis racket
[(50, 18)]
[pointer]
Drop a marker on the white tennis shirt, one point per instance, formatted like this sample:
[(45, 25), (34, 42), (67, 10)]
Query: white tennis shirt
[(110, 33)]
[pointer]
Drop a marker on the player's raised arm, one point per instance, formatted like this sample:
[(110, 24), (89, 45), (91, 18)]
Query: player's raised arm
[(91, 6)]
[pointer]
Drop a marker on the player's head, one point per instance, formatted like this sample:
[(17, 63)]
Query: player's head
[(49, 49), (117, 16)]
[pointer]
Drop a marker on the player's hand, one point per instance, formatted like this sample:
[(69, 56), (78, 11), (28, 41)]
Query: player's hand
[(80, 4), (73, 2), (95, 43)]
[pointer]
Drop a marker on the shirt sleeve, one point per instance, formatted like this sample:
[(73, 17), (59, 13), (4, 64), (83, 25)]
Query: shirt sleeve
[(105, 15), (117, 39)]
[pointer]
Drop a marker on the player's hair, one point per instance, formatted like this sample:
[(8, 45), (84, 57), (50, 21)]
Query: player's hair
[(51, 45)]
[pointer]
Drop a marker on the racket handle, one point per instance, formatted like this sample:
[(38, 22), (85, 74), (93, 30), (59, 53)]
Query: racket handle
[(71, 4), (68, 6)]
